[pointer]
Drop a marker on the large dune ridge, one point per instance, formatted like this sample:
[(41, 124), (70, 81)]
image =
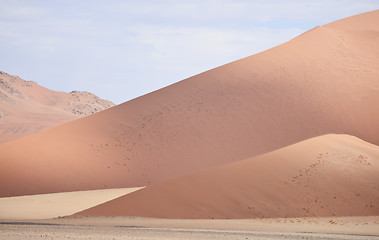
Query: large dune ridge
[(331, 175), (323, 81), (27, 108)]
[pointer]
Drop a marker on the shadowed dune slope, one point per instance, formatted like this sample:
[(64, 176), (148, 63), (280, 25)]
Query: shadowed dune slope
[(27, 108), (331, 175), (324, 81)]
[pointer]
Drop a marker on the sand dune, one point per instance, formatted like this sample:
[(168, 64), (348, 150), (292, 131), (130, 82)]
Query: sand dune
[(324, 81), (54, 205), (331, 175), (26, 107)]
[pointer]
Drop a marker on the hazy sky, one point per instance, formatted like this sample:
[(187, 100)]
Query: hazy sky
[(123, 49)]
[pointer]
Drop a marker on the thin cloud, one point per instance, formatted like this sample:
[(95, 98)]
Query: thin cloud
[(175, 49)]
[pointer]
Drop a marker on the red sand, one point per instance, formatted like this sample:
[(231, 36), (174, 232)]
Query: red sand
[(324, 81), (331, 175), (26, 107)]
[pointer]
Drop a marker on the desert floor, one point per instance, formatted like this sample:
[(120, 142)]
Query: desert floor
[(147, 228)]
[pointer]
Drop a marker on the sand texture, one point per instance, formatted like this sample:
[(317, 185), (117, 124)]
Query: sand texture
[(331, 175), (324, 81), (144, 228)]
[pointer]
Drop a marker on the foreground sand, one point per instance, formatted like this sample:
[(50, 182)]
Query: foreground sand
[(44, 206), (147, 228)]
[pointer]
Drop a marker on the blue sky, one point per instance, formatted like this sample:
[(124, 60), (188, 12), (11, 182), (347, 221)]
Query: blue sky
[(120, 50)]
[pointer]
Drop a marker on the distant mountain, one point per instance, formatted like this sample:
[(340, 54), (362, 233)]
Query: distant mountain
[(26, 107)]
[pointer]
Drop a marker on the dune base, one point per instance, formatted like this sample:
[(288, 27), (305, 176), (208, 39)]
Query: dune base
[(149, 228)]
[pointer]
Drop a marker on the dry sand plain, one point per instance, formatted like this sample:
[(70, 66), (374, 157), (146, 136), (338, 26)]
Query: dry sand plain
[(147, 228)]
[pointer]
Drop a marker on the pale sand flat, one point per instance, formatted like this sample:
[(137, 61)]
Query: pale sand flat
[(149, 228), (53, 205)]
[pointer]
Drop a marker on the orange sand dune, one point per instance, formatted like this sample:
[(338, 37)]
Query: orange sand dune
[(331, 175), (324, 81), (26, 107)]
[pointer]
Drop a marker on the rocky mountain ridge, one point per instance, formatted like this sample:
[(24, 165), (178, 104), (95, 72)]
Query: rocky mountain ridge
[(26, 107)]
